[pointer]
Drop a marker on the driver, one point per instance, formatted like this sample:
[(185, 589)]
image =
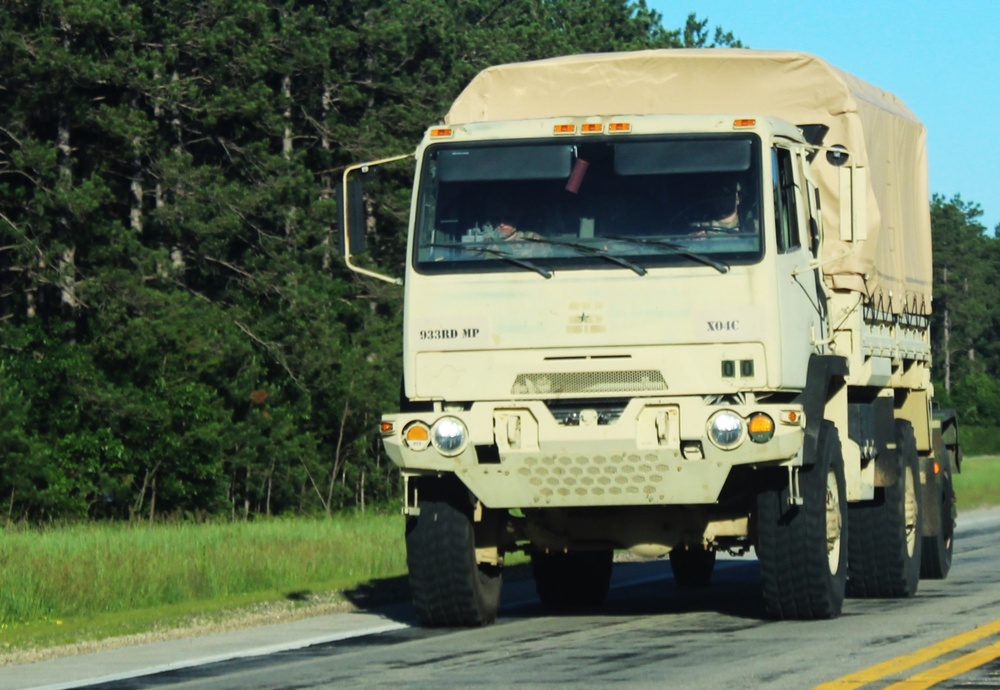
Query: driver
[(721, 209), (509, 232), (519, 241)]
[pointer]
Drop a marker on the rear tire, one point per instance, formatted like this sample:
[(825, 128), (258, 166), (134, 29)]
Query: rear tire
[(448, 587), (935, 562), (577, 579), (801, 548), (692, 567), (885, 544)]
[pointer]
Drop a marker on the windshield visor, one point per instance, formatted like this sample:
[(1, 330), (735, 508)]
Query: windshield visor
[(612, 203)]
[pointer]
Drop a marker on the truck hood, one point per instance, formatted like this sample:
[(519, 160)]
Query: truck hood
[(614, 333)]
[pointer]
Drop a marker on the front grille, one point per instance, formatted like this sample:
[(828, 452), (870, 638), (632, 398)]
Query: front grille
[(595, 476), (589, 382)]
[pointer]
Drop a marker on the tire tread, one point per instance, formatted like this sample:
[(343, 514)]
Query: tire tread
[(447, 587), (879, 563), (796, 579)]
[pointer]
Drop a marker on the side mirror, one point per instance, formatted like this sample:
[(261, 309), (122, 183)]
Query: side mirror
[(352, 217), (351, 214)]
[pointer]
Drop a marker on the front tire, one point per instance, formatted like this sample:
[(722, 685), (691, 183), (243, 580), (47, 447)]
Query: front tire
[(886, 541), (449, 588), (801, 551), (572, 580)]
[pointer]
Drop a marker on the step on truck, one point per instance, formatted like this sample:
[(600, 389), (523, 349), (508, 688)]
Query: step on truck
[(674, 303)]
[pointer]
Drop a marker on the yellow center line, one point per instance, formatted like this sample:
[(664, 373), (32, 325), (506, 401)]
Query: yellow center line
[(950, 669), (921, 656)]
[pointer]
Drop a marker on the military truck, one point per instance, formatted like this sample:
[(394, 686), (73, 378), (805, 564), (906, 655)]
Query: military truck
[(670, 302)]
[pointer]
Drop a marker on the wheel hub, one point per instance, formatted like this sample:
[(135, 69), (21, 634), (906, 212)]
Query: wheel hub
[(910, 507), (834, 522)]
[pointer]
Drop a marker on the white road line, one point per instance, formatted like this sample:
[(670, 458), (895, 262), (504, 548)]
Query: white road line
[(226, 656)]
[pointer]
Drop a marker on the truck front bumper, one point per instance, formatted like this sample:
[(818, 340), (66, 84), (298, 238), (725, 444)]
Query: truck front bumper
[(657, 452)]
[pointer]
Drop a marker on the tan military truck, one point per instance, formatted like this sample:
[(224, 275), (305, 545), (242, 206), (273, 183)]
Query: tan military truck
[(671, 302)]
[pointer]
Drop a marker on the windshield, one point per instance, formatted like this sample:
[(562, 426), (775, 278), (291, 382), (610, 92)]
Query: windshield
[(622, 204)]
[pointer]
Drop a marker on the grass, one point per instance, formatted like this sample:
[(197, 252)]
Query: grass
[(60, 586), (978, 484)]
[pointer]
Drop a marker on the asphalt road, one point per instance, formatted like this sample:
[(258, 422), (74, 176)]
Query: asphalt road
[(649, 634)]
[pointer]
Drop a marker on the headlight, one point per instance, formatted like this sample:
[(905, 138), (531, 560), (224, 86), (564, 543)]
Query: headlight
[(449, 436), (725, 429)]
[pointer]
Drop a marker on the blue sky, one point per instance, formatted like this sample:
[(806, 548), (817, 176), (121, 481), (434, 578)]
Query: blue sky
[(941, 58)]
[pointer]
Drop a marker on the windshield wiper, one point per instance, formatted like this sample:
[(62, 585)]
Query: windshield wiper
[(544, 272), (676, 249), (590, 251)]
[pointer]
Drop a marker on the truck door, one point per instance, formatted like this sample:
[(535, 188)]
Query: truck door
[(796, 224)]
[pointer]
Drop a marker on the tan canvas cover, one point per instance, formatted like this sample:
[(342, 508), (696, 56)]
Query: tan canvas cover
[(892, 266)]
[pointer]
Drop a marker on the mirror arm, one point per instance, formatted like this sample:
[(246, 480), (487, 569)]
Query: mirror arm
[(344, 215)]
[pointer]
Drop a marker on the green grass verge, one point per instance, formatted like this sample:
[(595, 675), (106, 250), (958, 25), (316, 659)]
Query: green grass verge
[(978, 484), (84, 582)]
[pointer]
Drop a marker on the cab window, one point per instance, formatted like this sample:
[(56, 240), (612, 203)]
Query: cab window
[(786, 211)]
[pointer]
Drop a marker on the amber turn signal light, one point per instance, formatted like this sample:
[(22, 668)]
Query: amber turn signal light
[(760, 428)]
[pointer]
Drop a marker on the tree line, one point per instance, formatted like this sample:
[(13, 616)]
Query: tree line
[(178, 336), (965, 324)]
